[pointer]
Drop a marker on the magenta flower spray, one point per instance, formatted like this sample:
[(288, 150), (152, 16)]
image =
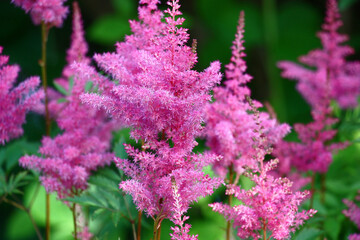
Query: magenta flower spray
[(157, 93), (15, 102), (229, 123), (84, 144), (270, 206)]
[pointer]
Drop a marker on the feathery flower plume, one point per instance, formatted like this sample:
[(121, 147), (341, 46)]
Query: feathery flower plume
[(156, 90), (354, 214), (228, 122), (51, 12), (83, 145), (157, 93), (15, 102), (334, 78), (270, 206)]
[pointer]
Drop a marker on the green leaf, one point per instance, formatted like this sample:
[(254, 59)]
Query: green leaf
[(61, 89), (85, 200), (105, 183), (308, 234), (332, 227), (17, 149), (88, 86), (109, 29), (61, 100), (344, 4)]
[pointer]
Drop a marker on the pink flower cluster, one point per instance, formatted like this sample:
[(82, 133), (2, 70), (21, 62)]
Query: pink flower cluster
[(244, 136), (354, 214), (157, 93), (156, 90), (269, 206), (228, 122), (15, 102), (51, 12), (333, 77), (83, 145)]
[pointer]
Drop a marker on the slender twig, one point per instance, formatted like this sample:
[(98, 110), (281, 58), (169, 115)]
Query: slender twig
[(27, 210), (139, 225), (44, 38), (74, 219), (312, 190), (231, 180)]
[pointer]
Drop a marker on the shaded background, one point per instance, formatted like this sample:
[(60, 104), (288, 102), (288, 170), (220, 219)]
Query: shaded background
[(275, 30)]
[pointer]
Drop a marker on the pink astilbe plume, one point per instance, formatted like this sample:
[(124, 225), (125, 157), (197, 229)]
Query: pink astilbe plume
[(51, 12), (270, 206), (354, 214), (228, 121), (333, 78), (83, 146), (156, 90), (15, 102)]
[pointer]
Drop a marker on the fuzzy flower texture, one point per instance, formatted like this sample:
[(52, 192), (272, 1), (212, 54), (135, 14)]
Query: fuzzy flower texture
[(83, 145), (51, 12), (15, 102), (333, 79), (270, 206), (157, 93), (228, 122)]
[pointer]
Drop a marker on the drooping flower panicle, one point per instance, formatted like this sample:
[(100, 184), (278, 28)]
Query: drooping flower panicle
[(353, 212), (15, 102)]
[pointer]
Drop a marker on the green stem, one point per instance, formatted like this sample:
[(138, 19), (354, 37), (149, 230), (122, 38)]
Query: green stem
[(231, 180), (74, 219), (312, 190), (27, 210), (44, 38), (139, 226)]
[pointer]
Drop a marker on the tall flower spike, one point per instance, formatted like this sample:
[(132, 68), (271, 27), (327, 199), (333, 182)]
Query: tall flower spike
[(156, 90), (270, 206), (228, 122), (334, 78), (15, 102), (84, 143), (51, 12)]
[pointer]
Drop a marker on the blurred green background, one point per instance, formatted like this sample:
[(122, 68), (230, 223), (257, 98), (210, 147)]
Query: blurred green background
[(275, 30)]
